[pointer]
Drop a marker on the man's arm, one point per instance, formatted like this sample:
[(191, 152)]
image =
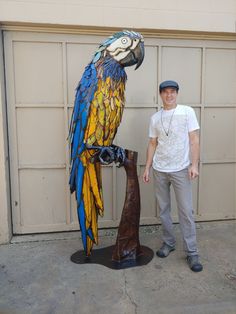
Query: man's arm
[(152, 144), (195, 153)]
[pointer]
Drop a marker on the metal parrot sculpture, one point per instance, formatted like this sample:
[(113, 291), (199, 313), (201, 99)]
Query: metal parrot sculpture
[(97, 113)]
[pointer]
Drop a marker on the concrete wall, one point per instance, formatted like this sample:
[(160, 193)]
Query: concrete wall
[(5, 221), (201, 15)]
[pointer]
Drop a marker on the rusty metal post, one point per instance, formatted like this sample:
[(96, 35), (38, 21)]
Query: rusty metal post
[(127, 243)]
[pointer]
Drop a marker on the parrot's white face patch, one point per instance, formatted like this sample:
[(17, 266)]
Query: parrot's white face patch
[(121, 55), (135, 44), (120, 48), (122, 43)]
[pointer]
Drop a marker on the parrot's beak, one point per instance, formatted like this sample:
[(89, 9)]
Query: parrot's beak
[(139, 54), (135, 56)]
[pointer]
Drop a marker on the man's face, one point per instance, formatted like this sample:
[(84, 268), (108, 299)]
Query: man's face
[(169, 96)]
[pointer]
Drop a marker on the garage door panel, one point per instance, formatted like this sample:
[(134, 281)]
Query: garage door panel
[(184, 66), (78, 56), (220, 134), (141, 88), (38, 72), (42, 72), (133, 131), (220, 76), (41, 138), (218, 191), (42, 196)]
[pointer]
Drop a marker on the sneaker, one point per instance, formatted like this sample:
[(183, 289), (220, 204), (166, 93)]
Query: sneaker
[(194, 264), (165, 250)]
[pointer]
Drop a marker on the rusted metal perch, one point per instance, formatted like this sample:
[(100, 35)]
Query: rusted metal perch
[(127, 245)]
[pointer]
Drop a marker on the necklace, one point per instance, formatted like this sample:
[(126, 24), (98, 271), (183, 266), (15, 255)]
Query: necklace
[(168, 131)]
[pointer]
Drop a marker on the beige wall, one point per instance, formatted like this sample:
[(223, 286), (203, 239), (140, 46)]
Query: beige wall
[(5, 225), (201, 15)]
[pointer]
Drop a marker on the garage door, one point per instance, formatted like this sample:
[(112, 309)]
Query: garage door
[(42, 72)]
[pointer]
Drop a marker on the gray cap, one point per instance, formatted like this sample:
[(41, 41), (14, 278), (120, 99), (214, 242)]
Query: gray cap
[(166, 84)]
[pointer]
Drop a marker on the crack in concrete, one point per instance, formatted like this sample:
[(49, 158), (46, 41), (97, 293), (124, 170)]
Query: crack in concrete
[(128, 295)]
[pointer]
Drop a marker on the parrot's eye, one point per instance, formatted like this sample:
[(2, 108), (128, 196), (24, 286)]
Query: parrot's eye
[(124, 41)]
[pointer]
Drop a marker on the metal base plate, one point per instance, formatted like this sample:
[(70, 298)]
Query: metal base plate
[(103, 257)]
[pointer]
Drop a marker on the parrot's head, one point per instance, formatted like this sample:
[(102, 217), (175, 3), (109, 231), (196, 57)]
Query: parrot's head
[(126, 47)]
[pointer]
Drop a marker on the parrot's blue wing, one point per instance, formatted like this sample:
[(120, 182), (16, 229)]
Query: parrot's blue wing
[(84, 95)]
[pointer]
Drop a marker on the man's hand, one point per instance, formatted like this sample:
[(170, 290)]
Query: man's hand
[(146, 175), (193, 172), (152, 144)]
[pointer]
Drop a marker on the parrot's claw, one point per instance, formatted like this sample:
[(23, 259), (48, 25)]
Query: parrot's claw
[(119, 155), (108, 154)]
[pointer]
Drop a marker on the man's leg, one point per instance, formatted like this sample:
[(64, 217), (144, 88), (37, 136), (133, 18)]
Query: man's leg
[(162, 191), (183, 193)]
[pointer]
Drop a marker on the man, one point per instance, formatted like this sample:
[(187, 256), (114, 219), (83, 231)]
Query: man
[(173, 134)]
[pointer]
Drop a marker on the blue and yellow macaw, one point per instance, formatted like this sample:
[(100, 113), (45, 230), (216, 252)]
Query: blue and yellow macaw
[(98, 108)]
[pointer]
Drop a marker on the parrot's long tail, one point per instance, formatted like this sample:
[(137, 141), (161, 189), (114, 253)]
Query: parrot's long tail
[(86, 180)]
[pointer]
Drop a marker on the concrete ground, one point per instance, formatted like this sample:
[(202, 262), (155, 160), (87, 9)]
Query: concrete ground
[(37, 276)]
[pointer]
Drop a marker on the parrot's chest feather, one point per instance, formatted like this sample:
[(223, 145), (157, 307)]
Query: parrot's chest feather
[(107, 106), (105, 112)]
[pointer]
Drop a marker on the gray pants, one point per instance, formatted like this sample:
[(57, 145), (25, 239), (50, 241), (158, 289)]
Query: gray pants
[(183, 193)]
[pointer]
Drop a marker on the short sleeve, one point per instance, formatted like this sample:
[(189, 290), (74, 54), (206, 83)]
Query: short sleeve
[(152, 129), (192, 120)]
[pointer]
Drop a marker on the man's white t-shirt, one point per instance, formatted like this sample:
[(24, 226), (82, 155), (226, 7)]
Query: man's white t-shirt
[(172, 152)]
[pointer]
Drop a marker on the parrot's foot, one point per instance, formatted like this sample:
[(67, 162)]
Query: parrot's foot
[(119, 155), (108, 154)]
